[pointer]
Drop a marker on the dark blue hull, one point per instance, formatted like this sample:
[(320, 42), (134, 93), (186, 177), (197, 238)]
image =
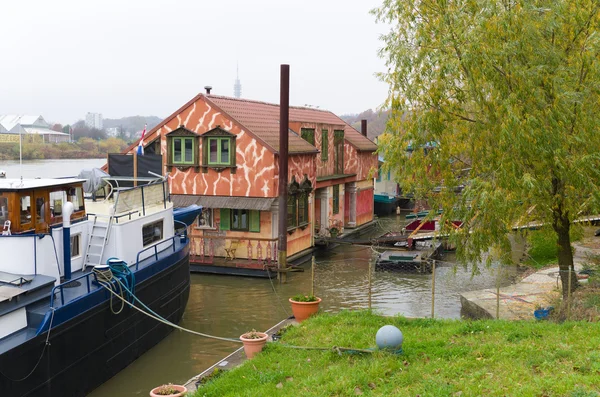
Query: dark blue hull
[(92, 346)]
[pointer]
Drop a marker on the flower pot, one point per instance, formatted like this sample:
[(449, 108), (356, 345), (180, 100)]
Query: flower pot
[(181, 390), (254, 346), (303, 310), (334, 233)]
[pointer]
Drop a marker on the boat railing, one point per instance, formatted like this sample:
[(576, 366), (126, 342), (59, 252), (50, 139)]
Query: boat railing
[(90, 275), (139, 198)]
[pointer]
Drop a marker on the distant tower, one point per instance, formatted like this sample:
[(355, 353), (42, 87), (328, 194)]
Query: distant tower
[(237, 87)]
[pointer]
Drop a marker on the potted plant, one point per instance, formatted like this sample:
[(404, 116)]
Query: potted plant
[(170, 390), (304, 306), (335, 227), (254, 342)]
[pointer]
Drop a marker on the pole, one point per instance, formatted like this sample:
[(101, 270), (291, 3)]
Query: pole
[(497, 298), (312, 277), (569, 297), (370, 284), (433, 290), (21, 155), (284, 120)]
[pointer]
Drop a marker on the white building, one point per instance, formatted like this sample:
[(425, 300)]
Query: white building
[(94, 120), (15, 124)]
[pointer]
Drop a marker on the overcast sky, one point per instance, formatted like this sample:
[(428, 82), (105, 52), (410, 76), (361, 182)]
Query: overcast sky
[(62, 58)]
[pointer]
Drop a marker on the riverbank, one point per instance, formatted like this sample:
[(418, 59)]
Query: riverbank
[(440, 358)]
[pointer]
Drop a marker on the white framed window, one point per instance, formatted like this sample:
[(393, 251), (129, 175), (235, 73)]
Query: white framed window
[(75, 245), (152, 232), (205, 219)]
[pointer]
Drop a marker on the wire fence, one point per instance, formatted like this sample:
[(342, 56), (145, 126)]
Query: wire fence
[(440, 288)]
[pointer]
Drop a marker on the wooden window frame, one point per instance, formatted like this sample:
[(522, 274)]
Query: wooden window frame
[(218, 139), (308, 134), (336, 199), (184, 161)]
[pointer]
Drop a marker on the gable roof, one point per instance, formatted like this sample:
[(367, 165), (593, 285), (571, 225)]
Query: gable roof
[(9, 121), (262, 119)]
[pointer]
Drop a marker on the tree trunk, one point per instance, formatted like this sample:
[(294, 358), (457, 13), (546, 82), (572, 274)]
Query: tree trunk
[(565, 261)]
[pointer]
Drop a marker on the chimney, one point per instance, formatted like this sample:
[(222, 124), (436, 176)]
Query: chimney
[(207, 88), (363, 127)]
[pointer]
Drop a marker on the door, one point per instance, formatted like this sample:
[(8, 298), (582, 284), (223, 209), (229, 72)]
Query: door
[(42, 210)]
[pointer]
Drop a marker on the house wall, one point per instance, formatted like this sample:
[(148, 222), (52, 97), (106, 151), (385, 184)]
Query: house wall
[(363, 164), (364, 205), (255, 174), (327, 167)]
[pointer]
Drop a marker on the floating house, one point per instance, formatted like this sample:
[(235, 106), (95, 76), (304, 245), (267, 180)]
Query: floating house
[(222, 153)]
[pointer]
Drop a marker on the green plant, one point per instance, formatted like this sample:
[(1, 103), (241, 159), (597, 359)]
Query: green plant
[(304, 298), (166, 390), (254, 334)]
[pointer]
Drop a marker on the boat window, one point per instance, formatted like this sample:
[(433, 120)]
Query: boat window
[(75, 245), (57, 200), (3, 210), (40, 210), (76, 197), (25, 209), (152, 232)]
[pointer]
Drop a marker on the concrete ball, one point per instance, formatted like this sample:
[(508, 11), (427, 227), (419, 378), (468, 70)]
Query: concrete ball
[(389, 337)]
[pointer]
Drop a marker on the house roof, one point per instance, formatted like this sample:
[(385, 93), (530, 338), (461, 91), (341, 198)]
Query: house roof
[(8, 121), (262, 119)]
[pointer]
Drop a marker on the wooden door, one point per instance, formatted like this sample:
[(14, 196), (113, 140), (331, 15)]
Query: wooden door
[(41, 210)]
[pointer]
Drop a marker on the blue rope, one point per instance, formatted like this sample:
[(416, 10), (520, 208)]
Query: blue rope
[(124, 275)]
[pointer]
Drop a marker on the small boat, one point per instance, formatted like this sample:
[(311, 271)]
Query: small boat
[(62, 333), (186, 215)]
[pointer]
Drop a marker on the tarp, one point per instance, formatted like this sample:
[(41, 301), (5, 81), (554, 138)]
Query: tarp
[(93, 179)]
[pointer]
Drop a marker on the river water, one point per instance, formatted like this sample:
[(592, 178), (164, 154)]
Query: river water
[(229, 306)]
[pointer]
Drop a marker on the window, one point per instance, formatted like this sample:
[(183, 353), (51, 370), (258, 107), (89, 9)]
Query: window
[(40, 211), (57, 200), (183, 150), (338, 142), (324, 145), (3, 210), (240, 220), (205, 219), (292, 217), (379, 172), (219, 151), (308, 134), (303, 209), (336, 199), (75, 245), (76, 197), (25, 209), (152, 232)]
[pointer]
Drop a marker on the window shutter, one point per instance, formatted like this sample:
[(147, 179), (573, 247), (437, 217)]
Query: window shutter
[(225, 218), (324, 145), (255, 221)]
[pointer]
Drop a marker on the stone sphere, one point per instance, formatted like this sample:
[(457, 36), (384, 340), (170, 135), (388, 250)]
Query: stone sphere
[(389, 337)]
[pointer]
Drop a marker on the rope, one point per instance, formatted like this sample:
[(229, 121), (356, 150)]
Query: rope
[(159, 318), (276, 294), (41, 355), (105, 278)]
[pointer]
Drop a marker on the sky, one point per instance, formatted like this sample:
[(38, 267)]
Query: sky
[(63, 58)]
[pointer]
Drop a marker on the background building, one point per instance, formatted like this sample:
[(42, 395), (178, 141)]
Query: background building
[(13, 125), (94, 120)]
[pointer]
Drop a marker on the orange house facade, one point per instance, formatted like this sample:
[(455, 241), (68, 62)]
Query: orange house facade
[(222, 153)]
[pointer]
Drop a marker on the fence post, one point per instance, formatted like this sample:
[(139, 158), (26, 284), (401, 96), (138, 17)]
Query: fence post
[(498, 295), (312, 276), (369, 278), (433, 290), (569, 297)]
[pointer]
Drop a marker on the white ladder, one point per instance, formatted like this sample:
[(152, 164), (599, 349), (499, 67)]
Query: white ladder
[(97, 241)]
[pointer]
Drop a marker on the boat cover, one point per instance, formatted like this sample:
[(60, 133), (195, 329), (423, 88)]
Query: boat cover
[(93, 179)]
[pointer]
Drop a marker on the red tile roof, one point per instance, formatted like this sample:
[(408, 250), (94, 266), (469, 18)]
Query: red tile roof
[(262, 119)]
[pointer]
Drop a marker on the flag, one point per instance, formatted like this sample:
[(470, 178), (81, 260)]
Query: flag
[(70, 134), (140, 150)]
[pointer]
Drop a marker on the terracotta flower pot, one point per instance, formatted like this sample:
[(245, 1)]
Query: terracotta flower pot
[(303, 310), (254, 346), (181, 390)]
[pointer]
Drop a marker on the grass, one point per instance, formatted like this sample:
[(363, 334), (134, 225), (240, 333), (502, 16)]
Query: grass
[(441, 358)]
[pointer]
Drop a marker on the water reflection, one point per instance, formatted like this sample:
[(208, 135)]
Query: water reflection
[(229, 306)]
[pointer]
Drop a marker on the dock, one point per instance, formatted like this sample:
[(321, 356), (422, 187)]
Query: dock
[(409, 260)]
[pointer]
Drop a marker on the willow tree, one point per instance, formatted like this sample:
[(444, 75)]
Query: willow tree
[(501, 97)]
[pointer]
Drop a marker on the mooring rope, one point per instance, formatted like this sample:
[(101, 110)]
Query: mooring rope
[(41, 355), (105, 278)]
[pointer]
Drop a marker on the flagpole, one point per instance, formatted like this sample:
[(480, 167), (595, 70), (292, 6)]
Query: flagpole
[(21, 154)]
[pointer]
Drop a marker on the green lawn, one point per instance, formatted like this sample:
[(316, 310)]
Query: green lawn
[(441, 358)]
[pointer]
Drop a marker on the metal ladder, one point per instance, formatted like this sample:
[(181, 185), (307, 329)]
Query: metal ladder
[(97, 241)]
